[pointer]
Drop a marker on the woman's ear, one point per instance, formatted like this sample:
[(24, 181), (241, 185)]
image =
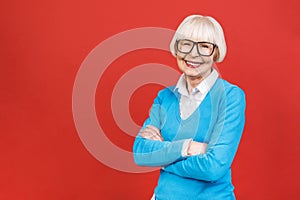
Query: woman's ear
[(216, 54), (175, 49)]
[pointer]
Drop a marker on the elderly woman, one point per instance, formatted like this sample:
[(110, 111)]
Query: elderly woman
[(194, 128)]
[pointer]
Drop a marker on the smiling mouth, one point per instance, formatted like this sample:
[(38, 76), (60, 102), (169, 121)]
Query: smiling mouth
[(192, 64)]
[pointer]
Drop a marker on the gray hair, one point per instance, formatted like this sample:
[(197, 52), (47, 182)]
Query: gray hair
[(201, 28)]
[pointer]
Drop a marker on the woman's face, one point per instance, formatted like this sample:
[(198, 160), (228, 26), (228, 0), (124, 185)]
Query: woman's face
[(193, 64)]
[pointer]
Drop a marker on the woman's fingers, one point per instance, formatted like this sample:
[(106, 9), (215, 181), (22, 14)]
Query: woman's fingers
[(157, 131), (151, 133), (154, 129)]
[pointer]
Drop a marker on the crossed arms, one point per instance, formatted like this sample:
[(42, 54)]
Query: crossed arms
[(190, 159)]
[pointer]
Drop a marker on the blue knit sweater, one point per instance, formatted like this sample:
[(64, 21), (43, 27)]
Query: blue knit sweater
[(218, 121)]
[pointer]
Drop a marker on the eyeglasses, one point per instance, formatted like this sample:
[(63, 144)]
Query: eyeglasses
[(203, 48)]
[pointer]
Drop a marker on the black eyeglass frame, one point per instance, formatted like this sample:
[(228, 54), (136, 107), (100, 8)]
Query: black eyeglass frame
[(197, 43)]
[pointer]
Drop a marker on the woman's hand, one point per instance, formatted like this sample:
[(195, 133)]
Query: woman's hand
[(196, 148), (151, 133)]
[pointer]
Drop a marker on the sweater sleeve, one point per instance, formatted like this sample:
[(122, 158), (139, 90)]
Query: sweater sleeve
[(148, 152), (222, 144)]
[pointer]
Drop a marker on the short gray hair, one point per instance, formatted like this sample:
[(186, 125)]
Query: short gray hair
[(201, 28)]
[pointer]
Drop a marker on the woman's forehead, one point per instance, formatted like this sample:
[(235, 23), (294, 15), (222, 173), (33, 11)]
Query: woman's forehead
[(197, 31)]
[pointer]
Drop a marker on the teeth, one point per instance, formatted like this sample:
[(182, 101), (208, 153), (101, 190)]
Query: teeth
[(192, 63)]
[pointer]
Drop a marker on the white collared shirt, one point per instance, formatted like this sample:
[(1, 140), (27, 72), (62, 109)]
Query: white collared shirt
[(190, 102)]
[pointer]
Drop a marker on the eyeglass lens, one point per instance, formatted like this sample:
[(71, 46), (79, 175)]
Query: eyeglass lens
[(204, 48)]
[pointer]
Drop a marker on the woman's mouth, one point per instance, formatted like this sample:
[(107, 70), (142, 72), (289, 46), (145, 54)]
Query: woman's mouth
[(191, 64)]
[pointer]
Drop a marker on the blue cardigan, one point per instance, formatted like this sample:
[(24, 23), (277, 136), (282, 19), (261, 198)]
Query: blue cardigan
[(218, 121)]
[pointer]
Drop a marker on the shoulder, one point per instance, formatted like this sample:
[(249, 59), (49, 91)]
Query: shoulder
[(228, 89), (234, 95), (228, 93), (166, 94), (232, 88)]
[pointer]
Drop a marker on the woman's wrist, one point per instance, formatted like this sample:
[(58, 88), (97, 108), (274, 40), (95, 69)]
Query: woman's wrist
[(196, 148)]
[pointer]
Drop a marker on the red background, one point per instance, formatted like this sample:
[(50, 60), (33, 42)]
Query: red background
[(43, 44)]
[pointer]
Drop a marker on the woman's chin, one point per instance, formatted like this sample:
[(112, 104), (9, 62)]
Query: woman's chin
[(191, 71), (193, 74)]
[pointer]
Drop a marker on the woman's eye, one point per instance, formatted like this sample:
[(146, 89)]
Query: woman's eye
[(204, 46)]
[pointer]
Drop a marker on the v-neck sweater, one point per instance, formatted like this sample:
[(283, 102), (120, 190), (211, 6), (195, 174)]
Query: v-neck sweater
[(219, 121)]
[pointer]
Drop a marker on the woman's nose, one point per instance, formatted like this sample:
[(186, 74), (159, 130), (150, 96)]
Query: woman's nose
[(194, 52)]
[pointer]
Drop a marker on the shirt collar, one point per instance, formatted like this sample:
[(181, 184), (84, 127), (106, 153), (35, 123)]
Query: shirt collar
[(203, 87)]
